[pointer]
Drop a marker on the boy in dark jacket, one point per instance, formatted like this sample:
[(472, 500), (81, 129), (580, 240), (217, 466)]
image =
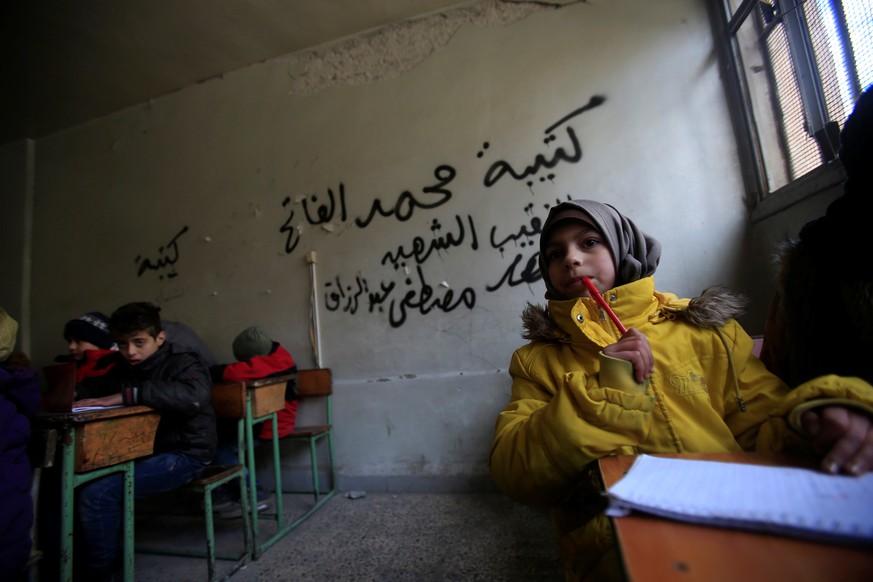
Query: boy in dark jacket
[(174, 381)]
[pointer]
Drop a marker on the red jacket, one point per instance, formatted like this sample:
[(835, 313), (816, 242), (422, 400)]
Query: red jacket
[(278, 362), (95, 363)]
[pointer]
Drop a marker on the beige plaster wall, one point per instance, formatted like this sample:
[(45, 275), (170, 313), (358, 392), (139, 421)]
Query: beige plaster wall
[(207, 202)]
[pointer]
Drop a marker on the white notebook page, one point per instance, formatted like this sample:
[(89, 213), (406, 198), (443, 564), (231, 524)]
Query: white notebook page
[(793, 501)]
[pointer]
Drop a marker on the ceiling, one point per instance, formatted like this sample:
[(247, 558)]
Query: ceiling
[(67, 62)]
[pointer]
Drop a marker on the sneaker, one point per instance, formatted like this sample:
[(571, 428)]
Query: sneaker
[(223, 499), (235, 510)]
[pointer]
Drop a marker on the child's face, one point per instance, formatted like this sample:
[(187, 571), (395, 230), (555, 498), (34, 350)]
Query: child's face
[(575, 249), (78, 348), (139, 346)]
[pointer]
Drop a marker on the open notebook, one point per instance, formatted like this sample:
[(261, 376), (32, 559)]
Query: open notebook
[(790, 501)]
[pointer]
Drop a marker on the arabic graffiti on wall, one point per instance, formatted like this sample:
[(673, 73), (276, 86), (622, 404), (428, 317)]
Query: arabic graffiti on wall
[(165, 264), (501, 168), (412, 291)]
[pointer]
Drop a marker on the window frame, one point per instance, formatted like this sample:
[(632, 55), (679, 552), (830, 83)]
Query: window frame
[(760, 200)]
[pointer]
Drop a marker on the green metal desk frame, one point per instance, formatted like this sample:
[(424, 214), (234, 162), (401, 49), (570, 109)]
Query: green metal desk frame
[(70, 480), (206, 486), (247, 444)]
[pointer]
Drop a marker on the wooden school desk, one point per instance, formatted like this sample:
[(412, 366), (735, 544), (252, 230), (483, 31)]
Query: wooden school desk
[(95, 443), (253, 402), (662, 550)]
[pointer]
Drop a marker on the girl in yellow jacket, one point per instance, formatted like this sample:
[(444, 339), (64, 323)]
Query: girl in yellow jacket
[(682, 379)]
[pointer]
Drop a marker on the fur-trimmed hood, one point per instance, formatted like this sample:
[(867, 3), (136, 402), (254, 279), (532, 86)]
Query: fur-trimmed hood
[(713, 308)]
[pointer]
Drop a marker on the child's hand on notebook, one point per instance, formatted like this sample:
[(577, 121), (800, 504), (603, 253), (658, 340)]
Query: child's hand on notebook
[(844, 436), (111, 400)]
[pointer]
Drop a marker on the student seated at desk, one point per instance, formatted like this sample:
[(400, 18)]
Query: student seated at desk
[(19, 402), (681, 379), (258, 356), (90, 345), (175, 382), (821, 317)]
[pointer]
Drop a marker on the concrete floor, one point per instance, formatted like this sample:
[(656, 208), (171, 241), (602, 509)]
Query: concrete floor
[(378, 537)]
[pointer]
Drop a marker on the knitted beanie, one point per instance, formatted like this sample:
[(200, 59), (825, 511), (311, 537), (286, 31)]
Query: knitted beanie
[(8, 331), (93, 327), (251, 342)]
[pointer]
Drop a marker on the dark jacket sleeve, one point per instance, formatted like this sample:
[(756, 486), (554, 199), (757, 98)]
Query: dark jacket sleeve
[(177, 385), (183, 387)]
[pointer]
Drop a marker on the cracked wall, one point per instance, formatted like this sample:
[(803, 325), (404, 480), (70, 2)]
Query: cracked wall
[(391, 51), (421, 195)]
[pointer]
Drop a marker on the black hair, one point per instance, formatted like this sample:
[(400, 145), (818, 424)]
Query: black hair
[(134, 317)]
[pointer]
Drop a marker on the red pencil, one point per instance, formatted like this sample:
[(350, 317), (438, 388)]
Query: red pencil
[(595, 294)]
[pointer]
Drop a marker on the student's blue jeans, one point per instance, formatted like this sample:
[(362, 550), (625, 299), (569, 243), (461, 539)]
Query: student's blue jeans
[(101, 502)]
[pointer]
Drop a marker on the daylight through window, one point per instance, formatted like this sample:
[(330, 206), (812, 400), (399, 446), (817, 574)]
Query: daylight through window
[(799, 66)]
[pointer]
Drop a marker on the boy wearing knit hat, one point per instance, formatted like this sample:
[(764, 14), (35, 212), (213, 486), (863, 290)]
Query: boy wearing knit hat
[(90, 345), (91, 331), (681, 379)]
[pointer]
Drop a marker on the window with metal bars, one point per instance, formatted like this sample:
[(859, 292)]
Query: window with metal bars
[(796, 68)]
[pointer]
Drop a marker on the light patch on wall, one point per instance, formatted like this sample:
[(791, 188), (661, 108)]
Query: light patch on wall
[(392, 50)]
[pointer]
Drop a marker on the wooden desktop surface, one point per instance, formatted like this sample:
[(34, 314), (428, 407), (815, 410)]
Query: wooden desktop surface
[(90, 415), (662, 550), (266, 395)]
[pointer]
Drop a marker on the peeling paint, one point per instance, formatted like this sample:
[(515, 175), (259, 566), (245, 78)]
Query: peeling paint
[(394, 49)]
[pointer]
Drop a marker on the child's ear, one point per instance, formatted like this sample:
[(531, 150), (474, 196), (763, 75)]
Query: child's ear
[(160, 338)]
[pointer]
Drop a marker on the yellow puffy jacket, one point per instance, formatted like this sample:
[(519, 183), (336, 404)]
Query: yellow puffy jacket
[(708, 393)]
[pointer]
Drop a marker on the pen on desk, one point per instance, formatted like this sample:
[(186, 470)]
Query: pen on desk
[(595, 294)]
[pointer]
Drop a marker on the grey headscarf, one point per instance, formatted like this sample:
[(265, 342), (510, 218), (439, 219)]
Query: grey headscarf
[(635, 253)]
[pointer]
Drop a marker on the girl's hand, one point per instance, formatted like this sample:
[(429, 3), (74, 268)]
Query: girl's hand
[(634, 347), (844, 436)]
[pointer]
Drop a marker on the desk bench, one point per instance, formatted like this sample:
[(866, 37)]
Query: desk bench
[(256, 401)]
